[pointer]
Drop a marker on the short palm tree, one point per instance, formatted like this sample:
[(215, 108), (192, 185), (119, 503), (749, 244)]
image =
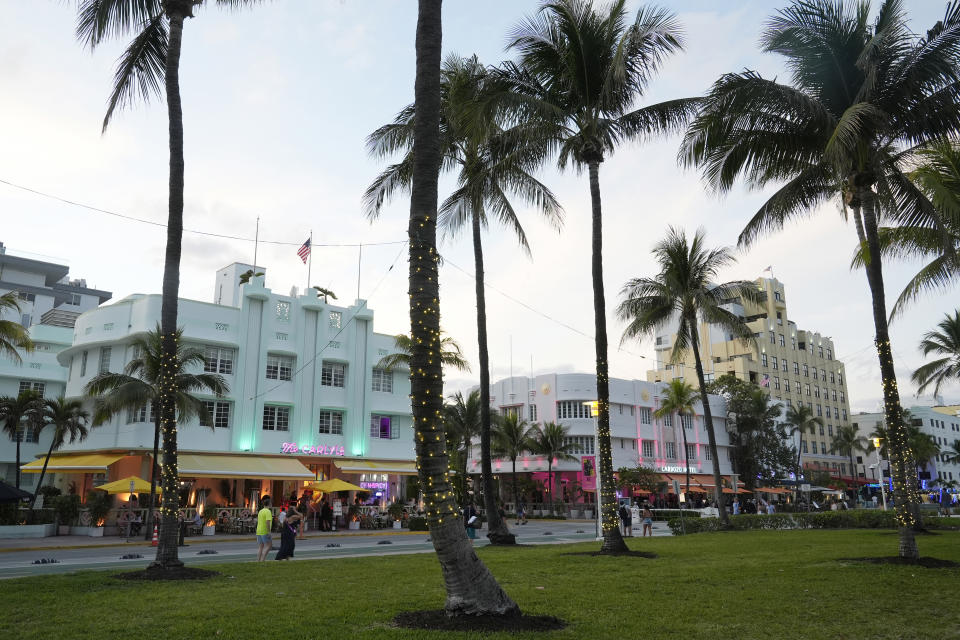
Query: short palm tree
[(512, 437), (924, 447), (953, 453), (461, 419), (800, 420), (451, 355), (492, 165), (68, 419), (13, 337), (139, 386), (946, 343), (679, 397), (862, 97), (847, 439), (18, 414), (581, 68), (686, 290), (550, 440)]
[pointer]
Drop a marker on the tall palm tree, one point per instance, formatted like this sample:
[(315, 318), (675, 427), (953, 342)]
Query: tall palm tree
[(862, 97), (492, 165), (140, 385), (13, 336), (550, 440), (678, 397), (945, 342), (152, 59), (512, 437), (800, 420), (847, 440), (18, 414), (581, 69), (686, 290), (471, 588), (68, 419), (451, 354), (462, 421)]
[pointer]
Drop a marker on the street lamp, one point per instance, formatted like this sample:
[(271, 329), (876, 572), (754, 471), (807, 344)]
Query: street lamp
[(593, 404), (883, 491)]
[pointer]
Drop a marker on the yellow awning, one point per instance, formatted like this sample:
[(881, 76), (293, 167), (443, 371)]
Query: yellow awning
[(207, 466), (366, 466), (74, 463)]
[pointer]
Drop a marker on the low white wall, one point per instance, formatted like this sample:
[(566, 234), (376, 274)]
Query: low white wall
[(27, 531)]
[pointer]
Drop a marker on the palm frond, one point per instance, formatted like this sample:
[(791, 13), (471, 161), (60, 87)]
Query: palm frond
[(141, 68)]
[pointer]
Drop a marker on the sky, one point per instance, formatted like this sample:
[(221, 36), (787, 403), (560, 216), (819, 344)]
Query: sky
[(278, 100)]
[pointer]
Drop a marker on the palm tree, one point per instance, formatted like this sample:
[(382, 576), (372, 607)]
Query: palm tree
[(451, 354), (945, 342), (581, 69), (512, 437), (69, 420), (13, 335), (925, 448), (326, 293), (847, 439), (953, 453), (685, 289), (945, 487), (18, 414), (550, 440), (471, 588), (462, 422), (863, 96), (140, 386), (152, 59), (800, 420), (492, 164), (678, 397)]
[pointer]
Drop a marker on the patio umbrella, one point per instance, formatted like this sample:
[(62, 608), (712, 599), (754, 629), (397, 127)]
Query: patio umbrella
[(123, 486), (9, 493), (334, 485)]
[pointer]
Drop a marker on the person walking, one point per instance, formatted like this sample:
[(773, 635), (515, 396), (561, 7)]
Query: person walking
[(626, 521), (647, 521), (521, 512), (470, 520), (288, 532), (264, 523), (326, 516)]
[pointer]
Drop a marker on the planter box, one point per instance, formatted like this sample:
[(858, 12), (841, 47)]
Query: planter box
[(588, 514), (27, 531), (397, 524), (354, 525), (63, 530), (209, 529), (93, 532)]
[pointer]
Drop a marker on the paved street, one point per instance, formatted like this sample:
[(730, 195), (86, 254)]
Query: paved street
[(74, 553)]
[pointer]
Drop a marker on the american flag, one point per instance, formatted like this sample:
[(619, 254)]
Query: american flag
[(766, 381), (304, 251)]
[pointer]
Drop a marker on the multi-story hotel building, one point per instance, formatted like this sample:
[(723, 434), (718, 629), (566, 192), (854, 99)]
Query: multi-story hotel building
[(794, 365), (638, 438), (306, 400), (49, 305)]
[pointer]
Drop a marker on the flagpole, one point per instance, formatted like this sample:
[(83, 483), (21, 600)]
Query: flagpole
[(256, 238), (359, 260), (309, 262)]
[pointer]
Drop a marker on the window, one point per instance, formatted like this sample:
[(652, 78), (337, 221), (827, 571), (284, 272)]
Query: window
[(686, 420), (763, 359), (823, 374), (773, 337), (773, 362), (671, 448), (833, 378), (842, 398), (829, 354), (645, 415), (511, 411), (806, 387), (778, 298), (786, 385), (707, 453), (646, 448), (570, 409), (276, 418), (820, 413), (668, 420), (815, 376), (830, 430), (332, 374), (382, 380), (793, 342), (36, 387), (844, 412), (806, 371), (783, 365), (331, 422), (83, 364), (836, 416), (104, 365), (283, 311), (382, 427), (279, 367), (533, 413), (834, 394), (821, 350), (336, 319), (803, 445), (779, 318), (816, 392), (782, 341), (26, 320), (796, 367), (839, 378), (218, 414), (691, 452), (581, 445), (218, 360), (140, 415), (776, 383), (26, 297)]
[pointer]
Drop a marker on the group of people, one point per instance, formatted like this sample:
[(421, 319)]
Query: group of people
[(626, 519), (289, 520), (759, 505)]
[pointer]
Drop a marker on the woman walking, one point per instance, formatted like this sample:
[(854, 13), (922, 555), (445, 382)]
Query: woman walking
[(288, 532), (647, 521)]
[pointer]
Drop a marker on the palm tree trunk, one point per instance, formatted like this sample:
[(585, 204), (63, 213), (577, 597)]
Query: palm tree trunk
[(148, 529), (471, 588), (550, 482), (19, 437), (686, 456), (796, 475), (43, 471), (497, 530), (904, 493), (516, 500), (607, 503), (708, 422), (167, 557)]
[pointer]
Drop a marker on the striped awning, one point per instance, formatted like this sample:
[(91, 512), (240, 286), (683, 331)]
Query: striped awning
[(198, 465)]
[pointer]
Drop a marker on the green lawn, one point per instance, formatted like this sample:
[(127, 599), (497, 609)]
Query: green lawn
[(757, 584)]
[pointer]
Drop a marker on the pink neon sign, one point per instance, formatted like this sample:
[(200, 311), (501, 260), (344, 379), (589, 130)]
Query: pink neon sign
[(319, 450)]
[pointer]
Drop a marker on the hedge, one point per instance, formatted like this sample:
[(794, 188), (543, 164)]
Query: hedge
[(858, 519), (417, 523)]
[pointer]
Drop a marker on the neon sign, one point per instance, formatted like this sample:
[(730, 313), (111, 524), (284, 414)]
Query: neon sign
[(374, 485), (675, 469), (319, 450)]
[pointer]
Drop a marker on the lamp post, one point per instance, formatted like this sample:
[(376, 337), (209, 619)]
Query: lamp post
[(883, 491), (592, 404)]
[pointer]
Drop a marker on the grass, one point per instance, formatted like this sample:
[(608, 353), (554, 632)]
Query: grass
[(753, 584)]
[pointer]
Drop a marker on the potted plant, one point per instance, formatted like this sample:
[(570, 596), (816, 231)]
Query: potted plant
[(353, 517), (98, 506), (209, 519), (396, 512), (67, 508)]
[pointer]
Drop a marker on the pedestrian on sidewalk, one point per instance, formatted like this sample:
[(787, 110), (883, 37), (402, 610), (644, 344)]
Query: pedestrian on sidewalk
[(647, 521), (264, 523)]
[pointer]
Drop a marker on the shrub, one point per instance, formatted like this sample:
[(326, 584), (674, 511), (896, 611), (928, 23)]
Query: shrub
[(67, 508), (417, 523), (48, 491), (857, 519), (666, 514)]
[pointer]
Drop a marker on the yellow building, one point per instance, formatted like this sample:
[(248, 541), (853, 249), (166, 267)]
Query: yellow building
[(794, 365)]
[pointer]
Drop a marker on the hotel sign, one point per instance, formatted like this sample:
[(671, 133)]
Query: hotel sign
[(310, 450), (675, 469)]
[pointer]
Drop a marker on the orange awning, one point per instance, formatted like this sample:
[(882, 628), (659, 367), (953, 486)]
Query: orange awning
[(772, 490)]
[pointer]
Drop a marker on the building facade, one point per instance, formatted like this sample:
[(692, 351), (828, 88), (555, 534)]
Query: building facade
[(794, 365), (50, 302), (307, 400), (638, 438)]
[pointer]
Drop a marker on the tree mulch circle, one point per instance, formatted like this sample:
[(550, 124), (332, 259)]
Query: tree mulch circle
[(614, 554), (927, 563), (440, 620), (178, 573)]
